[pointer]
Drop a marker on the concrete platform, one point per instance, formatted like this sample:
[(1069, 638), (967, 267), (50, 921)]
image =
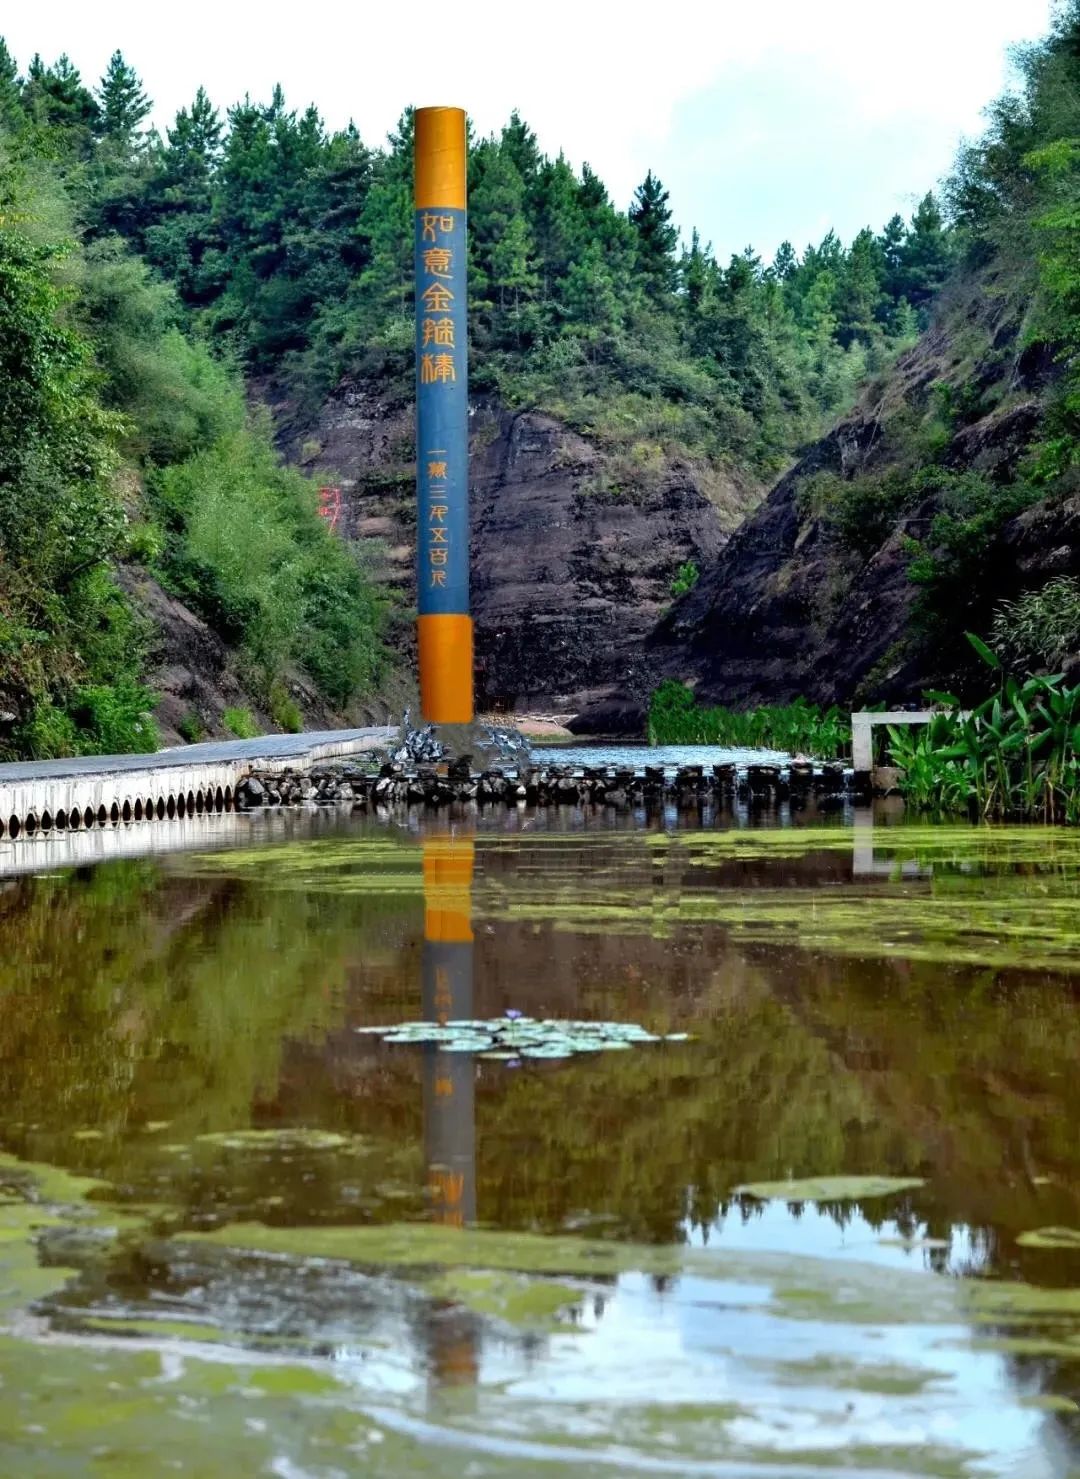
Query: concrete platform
[(97, 789)]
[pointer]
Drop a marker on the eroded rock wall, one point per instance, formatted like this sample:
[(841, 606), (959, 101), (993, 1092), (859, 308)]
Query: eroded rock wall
[(572, 560)]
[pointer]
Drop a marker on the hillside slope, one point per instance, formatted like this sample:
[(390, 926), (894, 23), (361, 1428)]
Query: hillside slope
[(790, 607), (948, 501)]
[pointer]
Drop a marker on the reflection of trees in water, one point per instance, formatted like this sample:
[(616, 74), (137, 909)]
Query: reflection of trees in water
[(971, 1069), (129, 997), (126, 997)]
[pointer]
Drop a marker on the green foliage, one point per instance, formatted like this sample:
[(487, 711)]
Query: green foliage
[(798, 728), (685, 578), (284, 710), (863, 511), (1016, 755), (1016, 196), (190, 729), (248, 549), (1041, 628), (241, 723), (114, 718), (123, 104), (12, 116), (110, 413), (48, 733), (99, 719), (55, 99), (66, 631), (650, 217), (961, 563)]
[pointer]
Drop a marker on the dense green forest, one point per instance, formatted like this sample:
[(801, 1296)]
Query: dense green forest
[(293, 246), (143, 277)]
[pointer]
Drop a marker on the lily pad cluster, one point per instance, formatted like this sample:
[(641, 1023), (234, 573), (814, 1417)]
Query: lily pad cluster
[(513, 1037)]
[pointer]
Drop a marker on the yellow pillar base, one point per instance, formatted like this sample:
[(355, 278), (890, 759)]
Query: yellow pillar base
[(445, 644)]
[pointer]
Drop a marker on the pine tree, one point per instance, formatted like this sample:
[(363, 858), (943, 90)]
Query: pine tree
[(122, 103), (11, 110), (926, 256), (589, 297), (593, 192), (179, 236), (694, 274), (558, 221), (56, 98), (518, 144), (891, 246), (343, 181), (382, 297), (194, 142), (657, 237), (785, 262), (859, 290), (502, 251)]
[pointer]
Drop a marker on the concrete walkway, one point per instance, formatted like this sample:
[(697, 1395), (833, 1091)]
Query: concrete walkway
[(86, 789)]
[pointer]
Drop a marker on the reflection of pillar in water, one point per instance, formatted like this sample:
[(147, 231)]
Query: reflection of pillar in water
[(449, 1129), (449, 1125)]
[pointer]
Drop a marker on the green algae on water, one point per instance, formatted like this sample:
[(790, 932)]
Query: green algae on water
[(1050, 1237), (829, 1188), (517, 1299)]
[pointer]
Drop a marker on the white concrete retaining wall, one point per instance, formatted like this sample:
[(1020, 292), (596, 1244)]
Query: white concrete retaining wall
[(91, 791)]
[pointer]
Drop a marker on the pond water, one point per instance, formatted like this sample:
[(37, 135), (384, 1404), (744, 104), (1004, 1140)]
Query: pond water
[(820, 1216), (636, 757)]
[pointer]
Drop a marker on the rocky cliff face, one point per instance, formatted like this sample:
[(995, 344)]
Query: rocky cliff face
[(786, 611), (572, 558)]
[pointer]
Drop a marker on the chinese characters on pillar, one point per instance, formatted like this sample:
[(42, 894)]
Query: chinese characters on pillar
[(441, 392)]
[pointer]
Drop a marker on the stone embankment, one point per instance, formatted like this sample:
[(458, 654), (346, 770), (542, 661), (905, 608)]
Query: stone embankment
[(539, 785)]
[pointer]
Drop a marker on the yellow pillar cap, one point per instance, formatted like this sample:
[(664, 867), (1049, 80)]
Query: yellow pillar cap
[(440, 158)]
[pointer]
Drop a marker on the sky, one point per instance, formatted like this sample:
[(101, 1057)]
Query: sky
[(764, 122)]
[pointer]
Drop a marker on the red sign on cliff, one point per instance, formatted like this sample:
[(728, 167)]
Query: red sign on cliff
[(330, 506)]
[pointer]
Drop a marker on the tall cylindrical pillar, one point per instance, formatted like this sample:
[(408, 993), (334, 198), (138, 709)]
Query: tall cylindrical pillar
[(444, 626)]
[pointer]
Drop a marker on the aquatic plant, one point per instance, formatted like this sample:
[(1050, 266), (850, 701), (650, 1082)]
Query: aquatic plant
[(515, 1036), (1017, 754), (800, 727)]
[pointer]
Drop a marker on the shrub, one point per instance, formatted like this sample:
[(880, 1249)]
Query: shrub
[(1041, 629), (284, 710), (48, 734), (250, 552), (190, 729), (241, 723), (115, 719), (685, 578), (961, 562)]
